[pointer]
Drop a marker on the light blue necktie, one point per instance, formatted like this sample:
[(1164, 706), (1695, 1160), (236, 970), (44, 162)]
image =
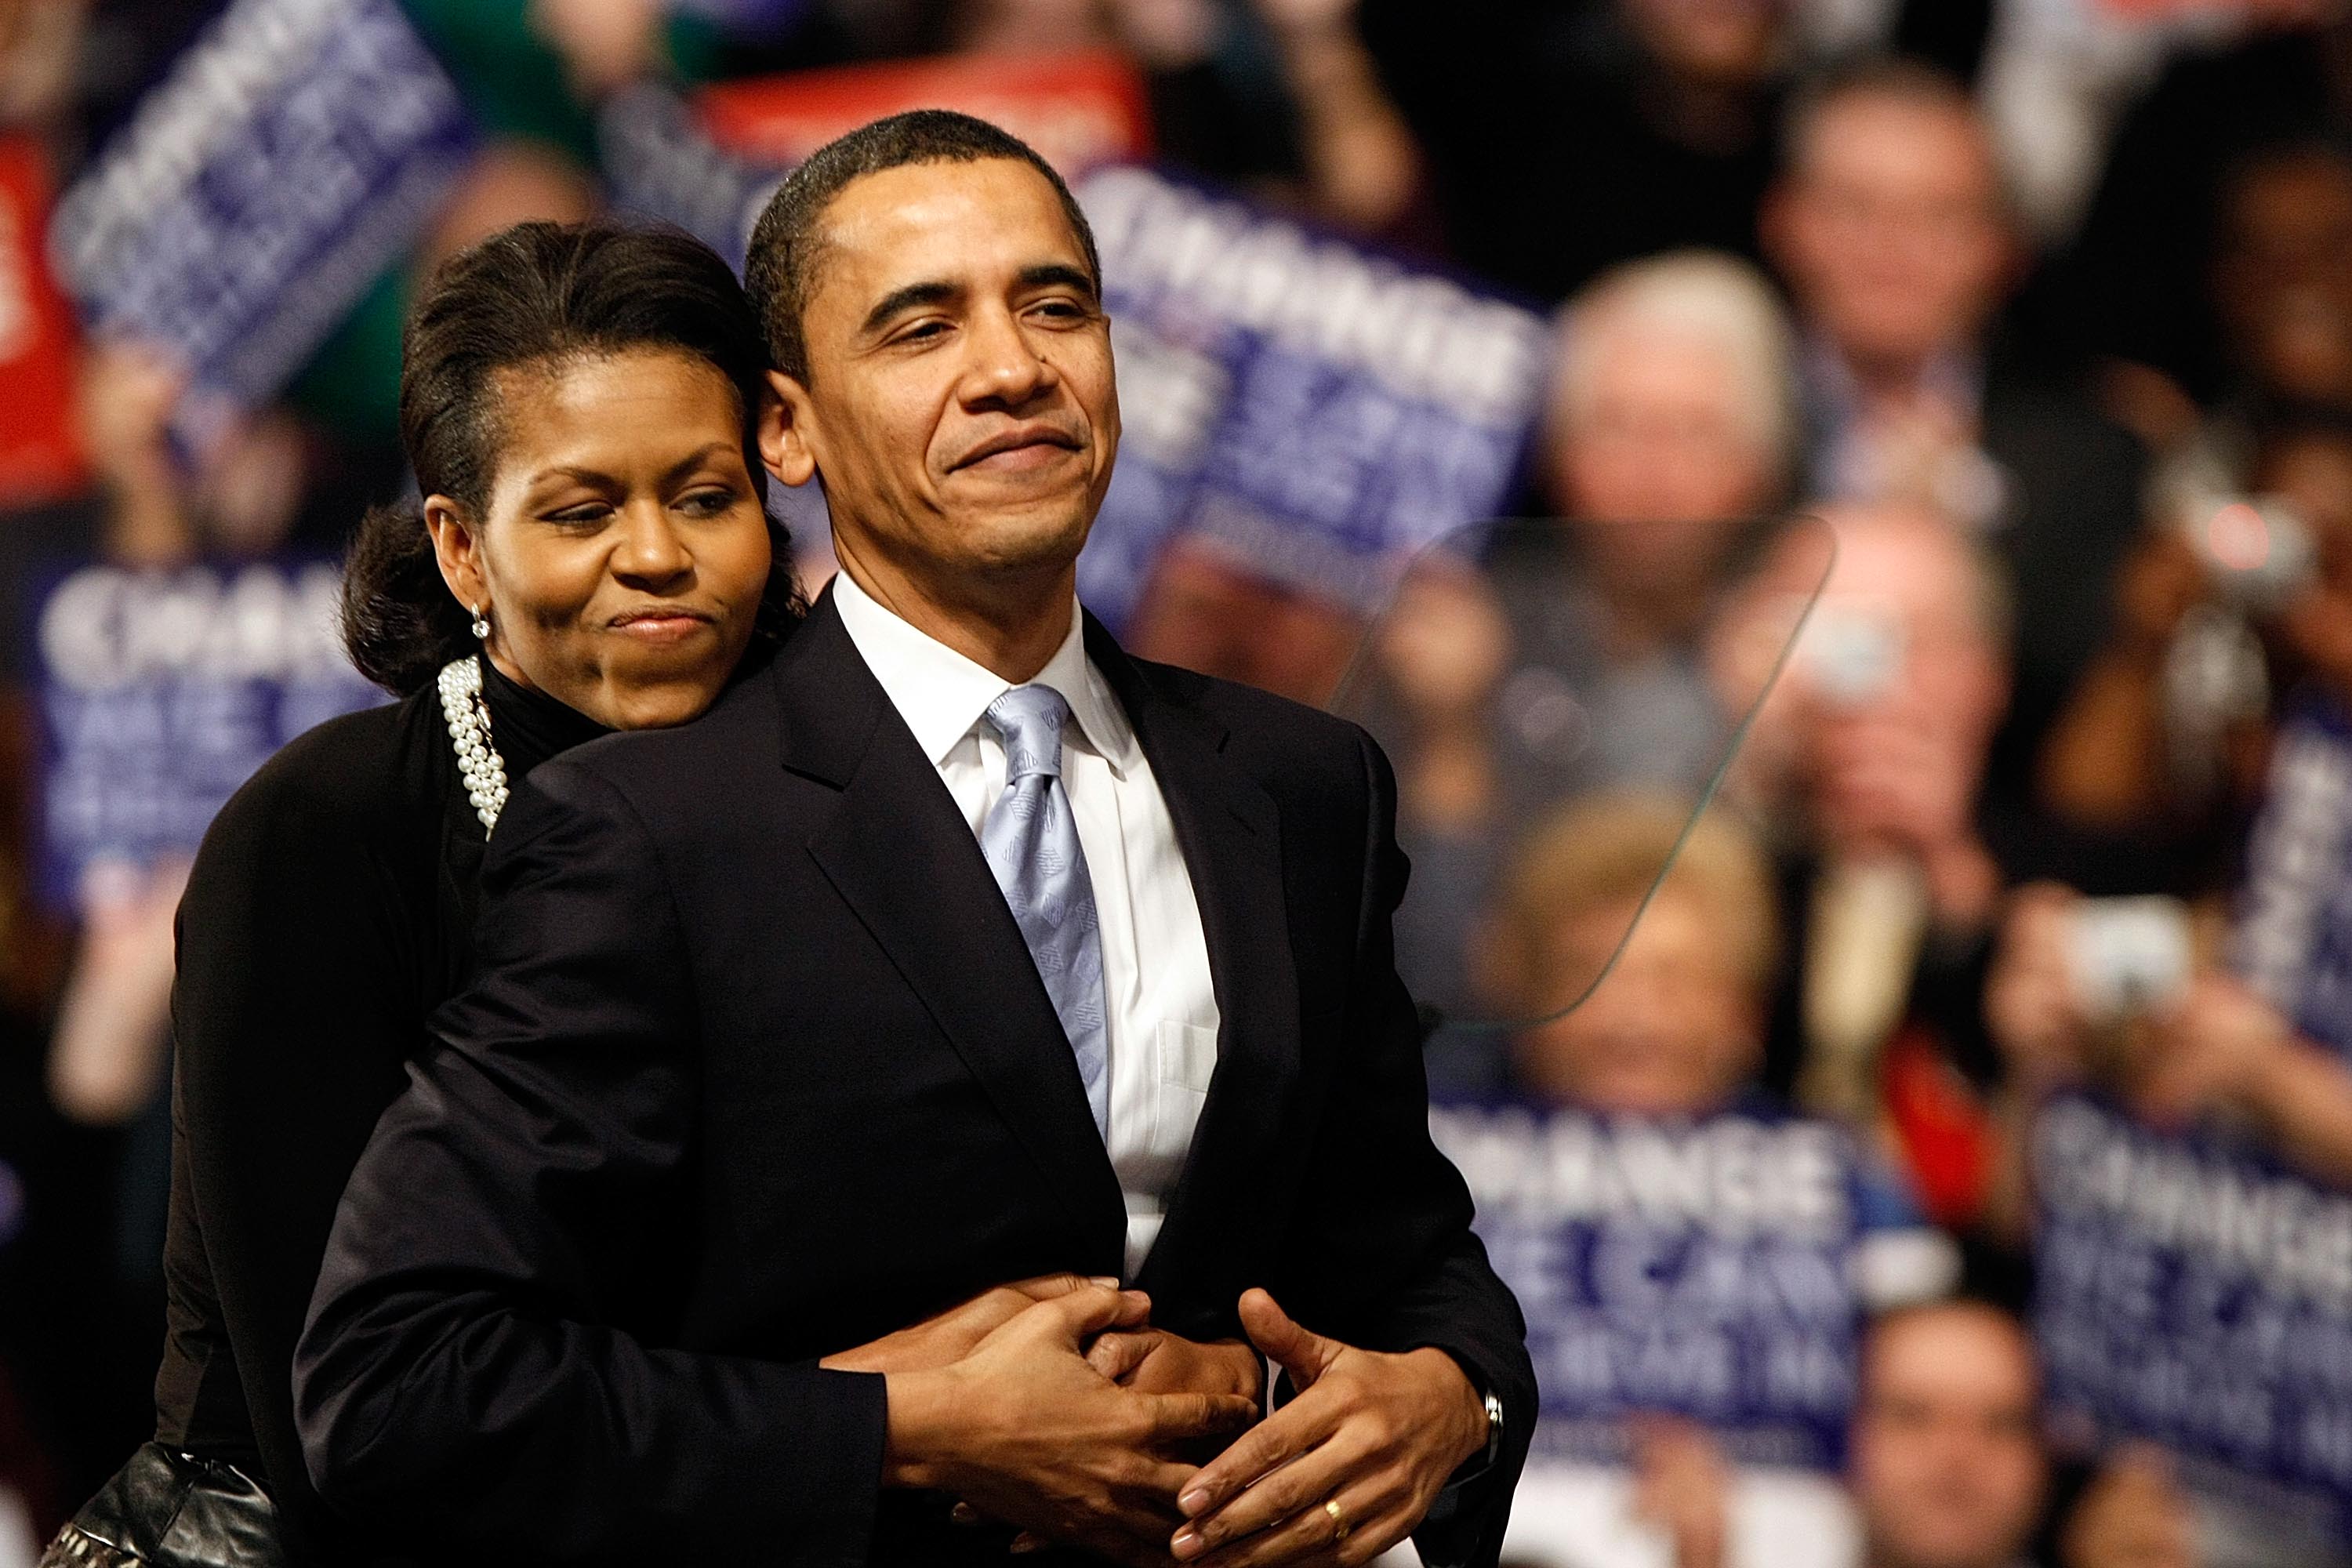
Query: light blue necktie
[(1031, 842)]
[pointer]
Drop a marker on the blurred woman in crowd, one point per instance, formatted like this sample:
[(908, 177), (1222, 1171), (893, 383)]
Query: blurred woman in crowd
[(592, 552), (1660, 938)]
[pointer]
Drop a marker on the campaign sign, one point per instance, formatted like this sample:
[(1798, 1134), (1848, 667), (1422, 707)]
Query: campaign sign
[(294, 151), (1314, 409), (660, 163), (1705, 1267), (40, 449), (163, 691), (1079, 110), (2293, 935), (2199, 1297)]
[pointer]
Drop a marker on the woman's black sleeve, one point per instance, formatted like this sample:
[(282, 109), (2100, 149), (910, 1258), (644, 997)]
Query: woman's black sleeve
[(295, 1002)]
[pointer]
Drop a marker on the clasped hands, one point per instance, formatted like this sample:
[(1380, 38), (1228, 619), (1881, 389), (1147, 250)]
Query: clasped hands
[(1053, 1406)]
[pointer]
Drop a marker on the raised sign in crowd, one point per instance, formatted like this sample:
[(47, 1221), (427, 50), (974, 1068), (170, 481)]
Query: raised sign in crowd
[(1880, 809)]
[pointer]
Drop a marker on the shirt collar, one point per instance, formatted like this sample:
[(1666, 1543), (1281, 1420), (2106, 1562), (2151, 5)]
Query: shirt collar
[(944, 696)]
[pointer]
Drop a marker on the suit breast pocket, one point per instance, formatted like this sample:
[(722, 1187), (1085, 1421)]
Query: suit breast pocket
[(1185, 1059)]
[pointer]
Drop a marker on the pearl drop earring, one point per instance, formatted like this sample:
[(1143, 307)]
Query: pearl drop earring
[(481, 623)]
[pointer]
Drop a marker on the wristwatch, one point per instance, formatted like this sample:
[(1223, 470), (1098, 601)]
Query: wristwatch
[(1494, 1426)]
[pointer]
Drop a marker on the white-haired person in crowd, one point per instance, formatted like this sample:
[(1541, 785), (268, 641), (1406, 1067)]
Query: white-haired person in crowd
[(1569, 657)]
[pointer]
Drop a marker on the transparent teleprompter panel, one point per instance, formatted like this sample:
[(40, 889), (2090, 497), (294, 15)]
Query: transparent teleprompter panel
[(1562, 701)]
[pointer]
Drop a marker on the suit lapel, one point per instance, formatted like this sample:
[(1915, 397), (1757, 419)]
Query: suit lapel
[(905, 862), (1231, 835)]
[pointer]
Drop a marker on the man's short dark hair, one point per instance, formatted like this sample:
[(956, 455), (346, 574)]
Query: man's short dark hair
[(785, 245), (1898, 78)]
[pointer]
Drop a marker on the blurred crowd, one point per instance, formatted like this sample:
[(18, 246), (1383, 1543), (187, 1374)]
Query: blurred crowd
[(1929, 610)]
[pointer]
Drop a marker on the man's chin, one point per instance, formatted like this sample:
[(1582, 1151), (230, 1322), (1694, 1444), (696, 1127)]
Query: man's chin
[(1026, 541)]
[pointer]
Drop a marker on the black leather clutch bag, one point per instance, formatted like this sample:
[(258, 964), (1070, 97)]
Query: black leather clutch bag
[(169, 1509)]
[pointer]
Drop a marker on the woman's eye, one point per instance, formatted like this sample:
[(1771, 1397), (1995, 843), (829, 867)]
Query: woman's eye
[(708, 503), (589, 512)]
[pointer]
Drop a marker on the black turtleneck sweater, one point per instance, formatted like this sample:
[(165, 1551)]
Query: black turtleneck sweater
[(329, 913)]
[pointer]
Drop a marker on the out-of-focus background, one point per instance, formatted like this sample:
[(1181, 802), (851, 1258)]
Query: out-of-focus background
[(1954, 1170)]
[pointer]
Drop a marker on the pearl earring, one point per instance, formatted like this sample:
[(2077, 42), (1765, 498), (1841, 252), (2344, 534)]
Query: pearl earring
[(481, 623)]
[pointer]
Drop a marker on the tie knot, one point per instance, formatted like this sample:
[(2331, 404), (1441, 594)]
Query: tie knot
[(1030, 719)]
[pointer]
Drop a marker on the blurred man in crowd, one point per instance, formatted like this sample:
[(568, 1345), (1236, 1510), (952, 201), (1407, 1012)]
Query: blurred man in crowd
[(1865, 765), (1891, 228), (1947, 1464)]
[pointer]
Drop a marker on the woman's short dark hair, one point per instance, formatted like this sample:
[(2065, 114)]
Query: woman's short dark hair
[(535, 293)]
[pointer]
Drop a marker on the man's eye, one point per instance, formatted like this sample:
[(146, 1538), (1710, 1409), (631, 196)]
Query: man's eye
[(922, 330)]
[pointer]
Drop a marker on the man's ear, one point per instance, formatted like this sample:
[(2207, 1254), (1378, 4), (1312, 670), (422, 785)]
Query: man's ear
[(786, 419), (458, 551)]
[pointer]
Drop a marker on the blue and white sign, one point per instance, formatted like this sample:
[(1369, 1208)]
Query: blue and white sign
[(660, 163), (294, 151), (163, 691), (1710, 1268), (2293, 937), (1314, 409), (2199, 1297)]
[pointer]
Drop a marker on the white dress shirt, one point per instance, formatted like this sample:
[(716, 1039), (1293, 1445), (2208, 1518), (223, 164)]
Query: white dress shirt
[(1158, 998)]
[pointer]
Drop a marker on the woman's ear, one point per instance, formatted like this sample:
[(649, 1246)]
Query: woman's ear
[(786, 420), (458, 551)]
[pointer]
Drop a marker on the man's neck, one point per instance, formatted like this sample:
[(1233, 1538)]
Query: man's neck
[(1900, 378), (1011, 627)]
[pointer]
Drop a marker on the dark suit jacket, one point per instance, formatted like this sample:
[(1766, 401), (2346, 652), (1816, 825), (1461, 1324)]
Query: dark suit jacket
[(755, 1067)]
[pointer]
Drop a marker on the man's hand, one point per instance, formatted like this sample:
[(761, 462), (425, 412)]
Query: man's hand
[(1026, 1432), (951, 1336), (1376, 1435)]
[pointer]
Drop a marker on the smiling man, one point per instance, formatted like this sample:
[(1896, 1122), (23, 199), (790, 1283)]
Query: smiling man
[(953, 948)]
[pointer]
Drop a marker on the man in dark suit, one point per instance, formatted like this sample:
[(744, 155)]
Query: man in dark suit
[(954, 947)]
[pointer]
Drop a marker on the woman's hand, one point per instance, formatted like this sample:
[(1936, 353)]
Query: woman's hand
[(1153, 1361), (951, 1335)]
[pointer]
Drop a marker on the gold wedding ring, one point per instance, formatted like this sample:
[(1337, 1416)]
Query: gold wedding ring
[(1339, 1518)]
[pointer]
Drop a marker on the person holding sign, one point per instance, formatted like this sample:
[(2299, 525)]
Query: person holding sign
[(592, 554), (954, 946), (1694, 1261)]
